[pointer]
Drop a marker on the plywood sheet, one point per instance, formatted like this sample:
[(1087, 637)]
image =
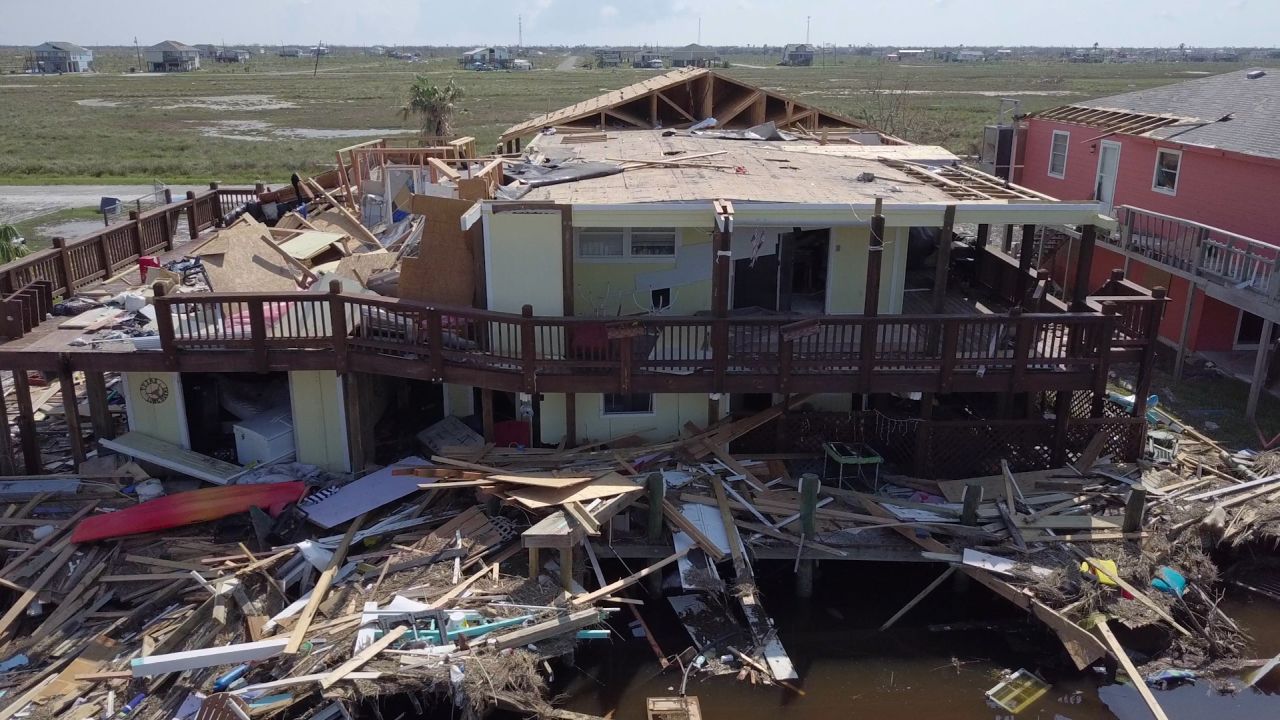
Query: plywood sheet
[(362, 266), (330, 508), (443, 270), (310, 243)]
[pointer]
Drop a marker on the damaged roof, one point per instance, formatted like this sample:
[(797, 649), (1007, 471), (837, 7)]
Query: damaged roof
[(1236, 111), (763, 171)]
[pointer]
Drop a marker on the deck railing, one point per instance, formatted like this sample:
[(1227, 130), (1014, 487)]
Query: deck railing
[(72, 264), (781, 352), (1223, 257)]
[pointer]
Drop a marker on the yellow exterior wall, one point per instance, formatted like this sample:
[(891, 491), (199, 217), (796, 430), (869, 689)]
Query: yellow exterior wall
[(156, 408), (319, 420), (523, 252), (670, 412), (610, 288), (848, 271)]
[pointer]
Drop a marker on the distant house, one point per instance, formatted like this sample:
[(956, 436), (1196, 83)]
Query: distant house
[(914, 54), (693, 55), (498, 57), (608, 58), (799, 54), (172, 56), (289, 52), (231, 56), (63, 57), (970, 56)]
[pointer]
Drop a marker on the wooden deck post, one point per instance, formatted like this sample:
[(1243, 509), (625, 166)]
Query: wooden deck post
[(1151, 331), (1259, 380), (1134, 508), (95, 385), (357, 434), (1080, 288), (984, 233), (1006, 240), (942, 258), (71, 410), (193, 225), (528, 348), (1026, 253), (875, 257), (1107, 332), (65, 271), (657, 488), (722, 261), (31, 458), (809, 486), (486, 413), (1184, 337), (338, 327)]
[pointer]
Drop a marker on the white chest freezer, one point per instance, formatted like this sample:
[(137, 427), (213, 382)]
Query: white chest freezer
[(265, 437)]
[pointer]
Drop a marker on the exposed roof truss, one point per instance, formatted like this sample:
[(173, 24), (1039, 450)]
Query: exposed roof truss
[(1112, 121), (683, 97)]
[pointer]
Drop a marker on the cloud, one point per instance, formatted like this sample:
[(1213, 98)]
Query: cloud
[(608, 11)]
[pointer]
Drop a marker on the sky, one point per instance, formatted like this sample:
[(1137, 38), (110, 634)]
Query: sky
[(1144, 23)]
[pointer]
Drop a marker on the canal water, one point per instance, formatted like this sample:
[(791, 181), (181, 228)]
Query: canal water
[(936, 663)]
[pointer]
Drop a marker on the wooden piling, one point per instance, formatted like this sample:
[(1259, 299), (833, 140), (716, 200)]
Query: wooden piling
[(1134, 508), (972, 498)]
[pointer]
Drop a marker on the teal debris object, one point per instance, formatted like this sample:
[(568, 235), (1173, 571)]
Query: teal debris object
[(1169, 581)]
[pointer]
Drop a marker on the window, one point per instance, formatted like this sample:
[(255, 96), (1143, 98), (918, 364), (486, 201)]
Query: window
[(1166, 178), (628, 404), (601, 243), (642, 243), (1058, 154)]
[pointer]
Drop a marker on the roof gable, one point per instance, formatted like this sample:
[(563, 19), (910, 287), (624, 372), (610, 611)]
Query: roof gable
[(65, 47), (686, 96), (172, 46)]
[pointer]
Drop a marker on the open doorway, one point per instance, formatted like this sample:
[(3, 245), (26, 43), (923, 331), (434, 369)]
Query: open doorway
[(805, 255), (787, 273)]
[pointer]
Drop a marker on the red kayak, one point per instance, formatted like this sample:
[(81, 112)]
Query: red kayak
[(188, 508)]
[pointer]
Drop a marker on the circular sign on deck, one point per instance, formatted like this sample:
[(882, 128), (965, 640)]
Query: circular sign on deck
[(154, 390)]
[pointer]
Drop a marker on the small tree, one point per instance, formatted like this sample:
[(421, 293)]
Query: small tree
[(433, 105), (10, 248)]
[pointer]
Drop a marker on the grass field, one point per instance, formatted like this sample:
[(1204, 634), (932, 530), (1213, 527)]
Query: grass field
[(240, 124)]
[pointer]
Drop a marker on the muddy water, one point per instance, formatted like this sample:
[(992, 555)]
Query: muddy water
[(915, 670)]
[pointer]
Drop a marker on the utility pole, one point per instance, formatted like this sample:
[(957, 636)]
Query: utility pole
[(699, 29), (519, 32), (316, 71), (807, 18), (138, 48)]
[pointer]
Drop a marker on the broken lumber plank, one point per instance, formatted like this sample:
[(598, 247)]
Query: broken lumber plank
[(1081, 645), (678, 519), (548, 629), (626, 581), (322, 587), (19, 606), (575, 510), (1134, 676), (363, 656), (207, 657)]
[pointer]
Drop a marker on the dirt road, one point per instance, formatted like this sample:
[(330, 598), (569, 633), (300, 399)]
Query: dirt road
[(570, 63), (19, 202)]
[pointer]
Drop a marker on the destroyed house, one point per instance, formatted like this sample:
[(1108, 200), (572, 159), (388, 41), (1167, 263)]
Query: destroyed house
[(624, 274)]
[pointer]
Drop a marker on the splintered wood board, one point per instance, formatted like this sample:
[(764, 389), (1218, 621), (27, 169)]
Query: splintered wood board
[(543, 481), (90, 318), (606, 486), (993, 485)]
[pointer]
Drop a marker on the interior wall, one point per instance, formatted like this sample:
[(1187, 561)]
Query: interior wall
[(319, 419), (155, 406)]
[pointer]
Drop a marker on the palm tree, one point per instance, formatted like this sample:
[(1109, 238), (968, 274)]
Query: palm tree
[(434, 106), (10, 249)]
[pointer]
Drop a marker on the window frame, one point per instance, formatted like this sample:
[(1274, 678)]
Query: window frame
[(628, 254), (1177, 174), (604, 406), (1066, 147)]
